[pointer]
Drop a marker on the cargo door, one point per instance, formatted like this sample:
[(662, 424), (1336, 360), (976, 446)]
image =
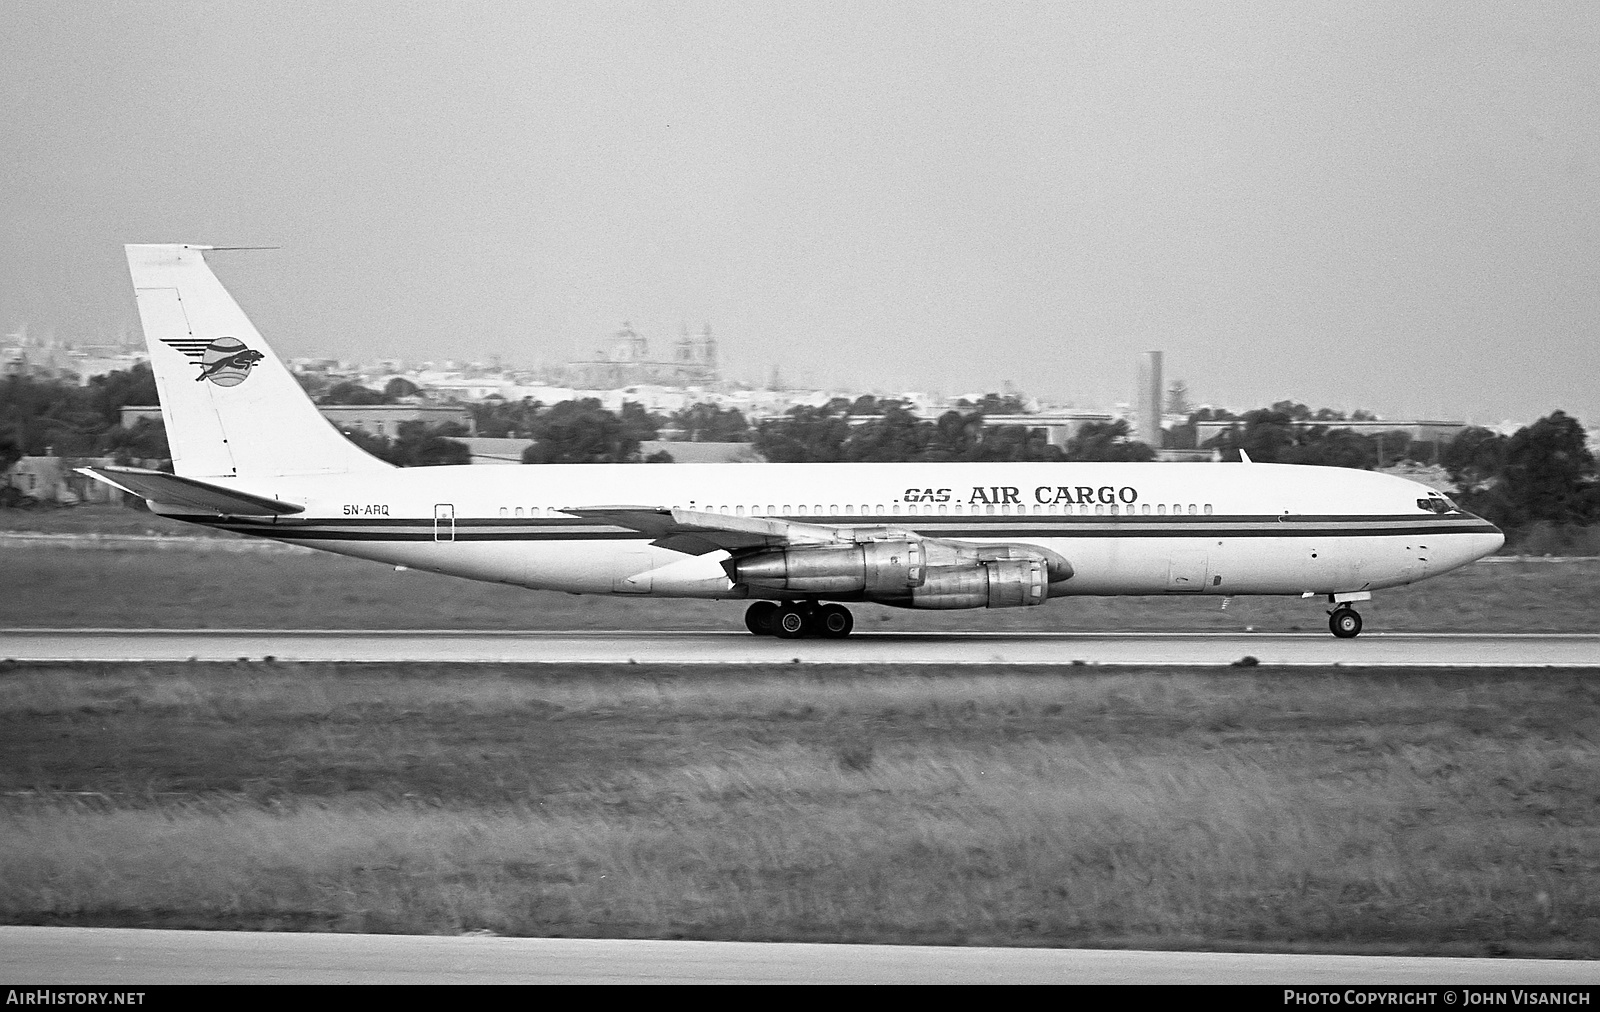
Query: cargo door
[(1186, 571)]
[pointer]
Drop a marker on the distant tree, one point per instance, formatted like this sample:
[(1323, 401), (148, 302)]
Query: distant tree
[(399, 387), (995, 404), (353, 393), (136, 386), (499, 419), (10, 451), (804, 434), (1015, 443), (1332, 448), (1107, 441), (895, 436), (581, 432), (955, 436), (639, 425), (708, 423), (1549, 473), (416, 444), (146, 439), (1475, 459)]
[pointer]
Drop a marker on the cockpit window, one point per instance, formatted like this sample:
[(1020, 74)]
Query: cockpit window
[(1436, 504)]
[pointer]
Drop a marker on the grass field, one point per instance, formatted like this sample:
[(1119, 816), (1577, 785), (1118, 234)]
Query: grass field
[(188, 587), (1434, 812)]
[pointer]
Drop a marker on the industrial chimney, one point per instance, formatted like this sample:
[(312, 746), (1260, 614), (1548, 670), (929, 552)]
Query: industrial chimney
[(1148, 401)]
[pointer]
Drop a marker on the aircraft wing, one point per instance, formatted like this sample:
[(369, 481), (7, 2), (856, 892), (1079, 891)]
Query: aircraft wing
[(699, 533), (186, 493)]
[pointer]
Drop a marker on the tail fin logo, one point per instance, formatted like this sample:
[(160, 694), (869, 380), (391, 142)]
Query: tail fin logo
[(225, 361)]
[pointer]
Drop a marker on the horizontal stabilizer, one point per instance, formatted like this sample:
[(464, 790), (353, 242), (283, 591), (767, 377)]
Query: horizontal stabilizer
[(186, 493)]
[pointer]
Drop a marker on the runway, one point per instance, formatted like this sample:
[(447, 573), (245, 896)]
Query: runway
[(123, 957), (1201, 649)]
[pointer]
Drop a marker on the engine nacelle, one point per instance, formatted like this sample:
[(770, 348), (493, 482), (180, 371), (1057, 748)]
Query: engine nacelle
[(1003, 583), (910, 574), (873, 568)]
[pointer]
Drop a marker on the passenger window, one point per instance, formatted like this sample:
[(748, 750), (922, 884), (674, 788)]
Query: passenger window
[(1161, 509), (1208, 509), (880, 511), (1193, 509), (1099, 509), (738, 511), (958, 509), (787, 509), (802, 511), (942, 510), (504, 511), (1146, 509)]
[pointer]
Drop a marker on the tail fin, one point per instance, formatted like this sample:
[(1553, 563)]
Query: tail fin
[(231, 407)]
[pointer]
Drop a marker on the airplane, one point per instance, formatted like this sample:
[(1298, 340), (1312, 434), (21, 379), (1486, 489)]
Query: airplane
[(251, 454)]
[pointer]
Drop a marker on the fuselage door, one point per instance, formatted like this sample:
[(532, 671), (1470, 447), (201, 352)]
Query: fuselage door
[(444, 522)]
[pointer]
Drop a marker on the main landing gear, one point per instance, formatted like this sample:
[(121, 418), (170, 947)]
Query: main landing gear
[(794, 619), (1344, 622)]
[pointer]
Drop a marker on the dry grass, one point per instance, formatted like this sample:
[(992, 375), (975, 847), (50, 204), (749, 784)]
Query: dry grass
[(191, 588), (1428, 812)]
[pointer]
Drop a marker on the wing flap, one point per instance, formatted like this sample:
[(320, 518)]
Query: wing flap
[(696, 532), (186, 493)]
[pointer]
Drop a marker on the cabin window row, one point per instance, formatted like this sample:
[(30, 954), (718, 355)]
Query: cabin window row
[(958, 509), (1004, 509)]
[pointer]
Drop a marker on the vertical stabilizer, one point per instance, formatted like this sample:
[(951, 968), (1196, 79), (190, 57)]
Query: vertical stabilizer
[(231, 407)]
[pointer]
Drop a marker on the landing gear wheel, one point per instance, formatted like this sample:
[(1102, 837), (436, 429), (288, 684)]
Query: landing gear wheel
[(834, 621), (1345, 622), (791, 622), (761, 618)]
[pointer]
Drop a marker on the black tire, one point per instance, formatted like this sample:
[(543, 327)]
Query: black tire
[(791, 622), (761, 618), (834, 621), (1344, 623)]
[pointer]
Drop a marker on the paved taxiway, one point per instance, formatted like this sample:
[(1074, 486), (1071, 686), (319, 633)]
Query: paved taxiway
[(954, 648), (125, 956)]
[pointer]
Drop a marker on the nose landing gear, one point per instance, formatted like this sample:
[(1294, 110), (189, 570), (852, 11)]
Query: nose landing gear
[(1344, 622), (795, 619)]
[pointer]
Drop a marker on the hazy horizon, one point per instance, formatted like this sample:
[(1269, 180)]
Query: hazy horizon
[(1381, 206)]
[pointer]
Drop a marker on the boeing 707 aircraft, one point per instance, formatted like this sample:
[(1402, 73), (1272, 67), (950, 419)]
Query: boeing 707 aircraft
[(253, 455)]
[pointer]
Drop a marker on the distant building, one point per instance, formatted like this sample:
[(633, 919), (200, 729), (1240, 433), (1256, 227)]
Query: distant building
[(53, 479), (1059, 426), (627, 362), (1421, 431)]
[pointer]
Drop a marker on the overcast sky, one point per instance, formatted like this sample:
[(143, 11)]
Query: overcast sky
[(1393, 206)]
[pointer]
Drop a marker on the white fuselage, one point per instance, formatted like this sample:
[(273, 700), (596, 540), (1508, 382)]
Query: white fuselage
[(1146, 528)]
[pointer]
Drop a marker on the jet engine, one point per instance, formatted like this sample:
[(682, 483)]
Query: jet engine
[(909, 573)]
